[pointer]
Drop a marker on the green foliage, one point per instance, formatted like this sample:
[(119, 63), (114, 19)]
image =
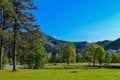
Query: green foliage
[(4, 59), (8, 8), (118, 58), (68, 53), (40, 56), (9, 60), (2, 32), (79, 57), (92, 56), (96, 53), (32, 52), (115, 58), (100, 52), (49, 56), (108, 58), (36, 58), (30, 60)]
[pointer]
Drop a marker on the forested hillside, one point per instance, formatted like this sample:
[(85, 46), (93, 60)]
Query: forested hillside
[(53, 45), (114, 45)]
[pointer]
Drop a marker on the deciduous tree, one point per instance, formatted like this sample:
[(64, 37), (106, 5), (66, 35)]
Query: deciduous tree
[(91, 53), (68, 53), (100, 52), (108, 58)]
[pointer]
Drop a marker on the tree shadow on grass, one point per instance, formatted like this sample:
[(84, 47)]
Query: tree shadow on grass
[(112, 67), (73, 71), (104, 66), (94, 67)]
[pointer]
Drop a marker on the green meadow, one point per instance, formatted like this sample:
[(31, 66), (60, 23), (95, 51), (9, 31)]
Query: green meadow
[(62, 74)]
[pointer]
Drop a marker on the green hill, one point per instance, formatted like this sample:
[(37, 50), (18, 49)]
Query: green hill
[(114, 45), (53, 45)]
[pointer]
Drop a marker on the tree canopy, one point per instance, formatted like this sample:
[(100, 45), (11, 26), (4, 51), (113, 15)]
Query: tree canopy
[(68, 53)]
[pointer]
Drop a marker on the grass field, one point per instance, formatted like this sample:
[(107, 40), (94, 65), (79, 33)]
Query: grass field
[(61, 74)]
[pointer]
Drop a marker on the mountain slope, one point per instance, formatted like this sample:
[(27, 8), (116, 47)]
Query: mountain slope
[(114, 45), (104, 43), (53, 45)]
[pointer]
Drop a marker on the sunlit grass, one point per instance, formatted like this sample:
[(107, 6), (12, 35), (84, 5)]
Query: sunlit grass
[(62, 74), (73, 74)]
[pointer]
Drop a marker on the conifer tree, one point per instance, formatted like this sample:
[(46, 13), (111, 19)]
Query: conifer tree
[(23, 23), (6, 11)]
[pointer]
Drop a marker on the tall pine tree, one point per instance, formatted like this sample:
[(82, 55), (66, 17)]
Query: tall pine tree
[(6, 11), (23, 24)]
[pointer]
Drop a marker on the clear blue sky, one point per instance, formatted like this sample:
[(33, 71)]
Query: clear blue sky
[(79, 20)]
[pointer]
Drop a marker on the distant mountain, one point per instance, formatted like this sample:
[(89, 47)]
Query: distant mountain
[(80, 46), (114, 45), (104, 43), (53, 45)]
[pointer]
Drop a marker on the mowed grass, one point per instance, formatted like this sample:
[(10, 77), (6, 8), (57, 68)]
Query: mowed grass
[(61, 74)]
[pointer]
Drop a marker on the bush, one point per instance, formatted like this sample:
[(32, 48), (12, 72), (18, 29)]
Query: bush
[(4, 59)]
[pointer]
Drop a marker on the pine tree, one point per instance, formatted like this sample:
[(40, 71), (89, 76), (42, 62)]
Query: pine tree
[(5, 7), (24, 23)]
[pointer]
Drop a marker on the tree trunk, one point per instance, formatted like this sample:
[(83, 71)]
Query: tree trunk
[(89, 63), (68, 61), (15, 31), (1, 51), (100, 62), (14, 46), (94, 62), (14, 55), (1, 37)]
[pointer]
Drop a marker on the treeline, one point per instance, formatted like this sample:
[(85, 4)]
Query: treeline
[(93, 54), (19, 35)]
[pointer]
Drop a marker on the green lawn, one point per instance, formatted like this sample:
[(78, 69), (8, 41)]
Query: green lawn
[(73, 74), (61, 74)]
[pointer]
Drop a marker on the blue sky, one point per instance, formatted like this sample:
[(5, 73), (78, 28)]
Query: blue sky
[(79, 20)]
